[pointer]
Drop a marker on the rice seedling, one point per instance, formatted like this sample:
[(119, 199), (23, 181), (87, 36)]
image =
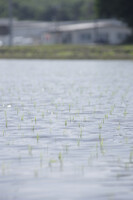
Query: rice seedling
[(66, 147), (80, 132), (126, 165), (33, 128), (82, 169), (42, 114), (41, 159), (131, 156), (118, 127), (50, 130), (19, 157), (19, 127), (100, 137), (112, 107), (101, 142), (100, 125), (22, 117), (65, 122), (78, 142), (35, 173), (110, 112), (94, 110), (5, 114), (60, 157), (3, 168), (97, 145), (51, 162), (37, 137), (17, 111), (84, 119), (69, 107), (126, 140), (30, 149), (125, 112), (106, 116), (6, 123)]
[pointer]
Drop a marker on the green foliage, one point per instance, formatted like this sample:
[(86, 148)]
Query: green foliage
[(68, 52), (50, 10), (121, 9)]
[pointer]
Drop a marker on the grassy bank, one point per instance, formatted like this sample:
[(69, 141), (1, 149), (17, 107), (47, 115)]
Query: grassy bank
[(68, 52)]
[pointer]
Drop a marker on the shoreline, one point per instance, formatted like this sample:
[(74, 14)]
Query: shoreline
[(71, 52)]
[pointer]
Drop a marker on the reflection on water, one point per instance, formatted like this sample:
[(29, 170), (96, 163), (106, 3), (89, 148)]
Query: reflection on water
[(66, 130)]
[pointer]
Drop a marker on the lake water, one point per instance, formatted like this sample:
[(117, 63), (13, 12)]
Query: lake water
[(66, 130)]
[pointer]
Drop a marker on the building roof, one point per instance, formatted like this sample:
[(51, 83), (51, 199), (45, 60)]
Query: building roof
[(63, 26), (32, 23), (90, 25)]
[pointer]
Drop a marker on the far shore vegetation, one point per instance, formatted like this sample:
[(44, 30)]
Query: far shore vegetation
[(68, 52)]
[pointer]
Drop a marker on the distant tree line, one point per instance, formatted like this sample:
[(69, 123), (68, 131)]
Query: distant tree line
[(56, 10), (121, 9), (50, 10)]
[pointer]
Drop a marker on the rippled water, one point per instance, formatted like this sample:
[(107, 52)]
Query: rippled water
[(66, 130)]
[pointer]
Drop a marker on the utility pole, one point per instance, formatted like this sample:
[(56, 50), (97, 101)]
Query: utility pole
[(10, 23)]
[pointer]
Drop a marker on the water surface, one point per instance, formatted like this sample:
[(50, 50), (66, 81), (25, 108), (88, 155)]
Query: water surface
[(66, 130)]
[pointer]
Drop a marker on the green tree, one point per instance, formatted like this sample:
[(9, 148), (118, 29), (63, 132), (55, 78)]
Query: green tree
[(121, 9), (47, 10)]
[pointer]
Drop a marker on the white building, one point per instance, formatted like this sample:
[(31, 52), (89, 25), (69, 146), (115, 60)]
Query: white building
[(24, 32), (36, 33), (100, 31)]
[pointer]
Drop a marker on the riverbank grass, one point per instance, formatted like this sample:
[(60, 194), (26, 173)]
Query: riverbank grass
[(68, 52)]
